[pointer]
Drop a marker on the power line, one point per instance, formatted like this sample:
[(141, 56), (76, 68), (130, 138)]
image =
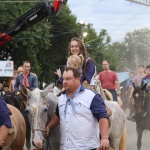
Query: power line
[(128, 20), (19, 1), (119, 25), (51, 36), (92, 5)]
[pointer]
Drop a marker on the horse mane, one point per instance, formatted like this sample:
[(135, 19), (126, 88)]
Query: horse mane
[(136, 90)]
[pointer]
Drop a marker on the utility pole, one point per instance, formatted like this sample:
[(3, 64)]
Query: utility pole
[(141, 2), (83, 34)]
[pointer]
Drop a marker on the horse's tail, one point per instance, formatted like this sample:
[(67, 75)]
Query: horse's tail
[(122, 145)]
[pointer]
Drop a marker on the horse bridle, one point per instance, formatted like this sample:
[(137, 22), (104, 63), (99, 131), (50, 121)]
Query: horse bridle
[(44, 102)]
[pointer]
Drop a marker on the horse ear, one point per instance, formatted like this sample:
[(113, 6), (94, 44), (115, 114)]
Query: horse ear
[(143, 87), (133, 84), (47, 89), (25, 91)]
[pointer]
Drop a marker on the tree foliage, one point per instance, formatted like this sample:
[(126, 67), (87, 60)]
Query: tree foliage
[(98, 48), (44, 44), (138, 47), (27, 44)]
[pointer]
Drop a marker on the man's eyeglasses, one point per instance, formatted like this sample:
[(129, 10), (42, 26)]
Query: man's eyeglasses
[(105, 64)]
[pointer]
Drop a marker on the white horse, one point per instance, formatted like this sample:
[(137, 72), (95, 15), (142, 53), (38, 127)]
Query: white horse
[(105, 93), (41, 105)]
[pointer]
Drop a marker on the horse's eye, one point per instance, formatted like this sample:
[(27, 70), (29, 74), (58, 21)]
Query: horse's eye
[(45, 110), (26, 111)]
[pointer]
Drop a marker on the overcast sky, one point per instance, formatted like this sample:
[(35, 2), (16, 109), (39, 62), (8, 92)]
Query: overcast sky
[(116, 16)]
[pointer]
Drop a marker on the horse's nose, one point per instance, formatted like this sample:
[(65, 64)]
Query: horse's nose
[(33, 143), (37, 143)]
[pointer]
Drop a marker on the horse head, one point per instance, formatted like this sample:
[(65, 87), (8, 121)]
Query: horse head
[(139, 99), (41, 105)]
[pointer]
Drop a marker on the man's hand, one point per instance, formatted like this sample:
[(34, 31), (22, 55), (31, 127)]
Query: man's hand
[(46, 132), (104, 144), (118, 93)]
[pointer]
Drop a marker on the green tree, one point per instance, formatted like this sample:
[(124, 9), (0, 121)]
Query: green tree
[(138, 47), (45, 44), (63, 28), (97, 46), (27, 44), (115, 54)]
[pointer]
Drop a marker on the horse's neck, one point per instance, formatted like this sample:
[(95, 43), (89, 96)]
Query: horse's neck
[(52, 102)]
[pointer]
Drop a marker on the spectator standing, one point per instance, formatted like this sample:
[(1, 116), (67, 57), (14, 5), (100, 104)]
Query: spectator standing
[(13, 81), (1, 90), (128, 89), (20, 69), (109, 80)]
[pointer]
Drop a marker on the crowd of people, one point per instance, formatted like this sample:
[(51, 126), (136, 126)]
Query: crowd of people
[(80, 72), (142, 78)]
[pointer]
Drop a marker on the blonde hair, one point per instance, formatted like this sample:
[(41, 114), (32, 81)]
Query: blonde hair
[(77, 60)]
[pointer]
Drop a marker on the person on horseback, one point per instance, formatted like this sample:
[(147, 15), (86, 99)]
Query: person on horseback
[(109, 80), (27, 78), (5, 122), (73, 61), (76, 47), (145, 86), (88, 69), (137, 80), (80, 113)]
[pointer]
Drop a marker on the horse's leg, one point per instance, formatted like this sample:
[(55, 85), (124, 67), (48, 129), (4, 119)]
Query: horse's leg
[(28, 135), (139, 134), (28, 129)]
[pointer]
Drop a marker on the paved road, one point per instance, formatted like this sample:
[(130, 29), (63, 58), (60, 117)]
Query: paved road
[(132, 137)]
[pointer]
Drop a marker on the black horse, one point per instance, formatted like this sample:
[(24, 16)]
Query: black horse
[(17, 100), (142, 110)]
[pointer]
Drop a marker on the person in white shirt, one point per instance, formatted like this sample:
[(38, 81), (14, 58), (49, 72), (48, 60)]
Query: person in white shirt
[(81, 114)]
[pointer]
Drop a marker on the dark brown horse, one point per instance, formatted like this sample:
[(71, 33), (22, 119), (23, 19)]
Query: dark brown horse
[(142, 110)]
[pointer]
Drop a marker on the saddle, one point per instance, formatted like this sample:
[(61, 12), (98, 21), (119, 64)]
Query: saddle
[(10, 113), (109, 112), (87, 85)]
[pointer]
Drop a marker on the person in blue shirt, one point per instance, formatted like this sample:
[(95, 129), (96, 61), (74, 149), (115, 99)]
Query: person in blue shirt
[(129, 83), (146, 79), (5, 122), (27, 78), (146, 83)]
